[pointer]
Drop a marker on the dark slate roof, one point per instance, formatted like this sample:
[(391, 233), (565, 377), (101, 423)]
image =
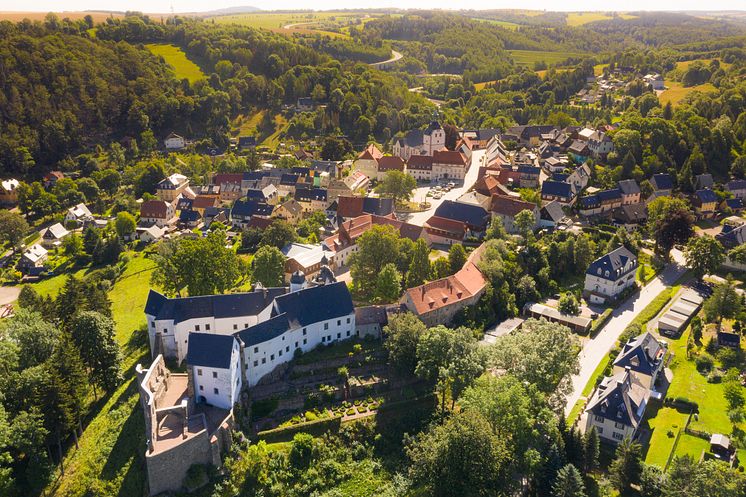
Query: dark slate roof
[(562, 177), (302, 171), (432, 127), (556, 188), (527, 169), (315, 304), (189, 216), (309, 194), (254, 175), (734, 203), (219, 306), (642, 354), (289, 179), (378, 205), (662, 181), (613, 262), (210, 350), (266, 330), (590, 202), (473, 215), (615, 400), (255, 194), (552, 212), (629, 186), (248, 208), (184, 203), (631, 213), (246, 141), (736, 184), (413, 138), (606, 195), (706, 196), (372, 314)]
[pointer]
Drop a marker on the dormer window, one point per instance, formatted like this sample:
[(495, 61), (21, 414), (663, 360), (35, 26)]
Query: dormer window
[(599, 271), (606, 273)]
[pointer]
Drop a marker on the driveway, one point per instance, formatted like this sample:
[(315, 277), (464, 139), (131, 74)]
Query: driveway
[(420, 192), (596, 348)]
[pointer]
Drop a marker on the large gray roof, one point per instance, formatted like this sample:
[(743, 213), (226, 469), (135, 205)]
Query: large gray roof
[(218, 306)]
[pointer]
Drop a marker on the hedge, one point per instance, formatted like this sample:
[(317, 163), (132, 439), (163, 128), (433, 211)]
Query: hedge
[(601, 321), (315, 428)]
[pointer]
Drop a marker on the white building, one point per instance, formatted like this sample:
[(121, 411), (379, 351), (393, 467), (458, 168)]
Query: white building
[(53, 235), (215, 368), (617, 407), (608, 276), (420, 142), (174, 142), (79, 213)]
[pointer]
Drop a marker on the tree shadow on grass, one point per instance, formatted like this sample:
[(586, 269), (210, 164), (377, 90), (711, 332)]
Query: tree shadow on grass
[(128, 445)]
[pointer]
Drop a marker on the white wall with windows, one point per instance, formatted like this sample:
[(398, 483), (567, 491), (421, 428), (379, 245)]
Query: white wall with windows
[(217, 386)]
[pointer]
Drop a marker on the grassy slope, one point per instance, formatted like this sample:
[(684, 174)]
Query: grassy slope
[(529, 57), (110, 460), (676, 92), (276, 22), (579, 18), (176, 58)]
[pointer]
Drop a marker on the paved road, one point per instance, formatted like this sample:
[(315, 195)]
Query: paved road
[(394, 57), (419, 218), (596, 348)]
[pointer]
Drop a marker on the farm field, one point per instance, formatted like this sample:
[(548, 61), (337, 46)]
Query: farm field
[(72, 15), (530, 57), (503, 24), (303, 21), (684, 64), (676, 92), (176, 58), (580, 18)]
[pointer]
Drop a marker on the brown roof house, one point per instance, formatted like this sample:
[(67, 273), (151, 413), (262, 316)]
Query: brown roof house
[(158, 212), (438, 301), (507, 208)]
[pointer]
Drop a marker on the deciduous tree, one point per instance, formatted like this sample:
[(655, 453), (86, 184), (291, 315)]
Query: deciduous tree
[(704, 255), (403, 333), (13, 228), (268, 267)]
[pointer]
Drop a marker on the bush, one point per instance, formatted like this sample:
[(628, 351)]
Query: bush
[(704, 363), (263, 408), (310, 416), (714, 377)]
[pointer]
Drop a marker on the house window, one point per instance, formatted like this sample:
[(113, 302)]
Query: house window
[(256, 363), (304, 331), (216, 391), (256, 350), (246, 325), (287, 348), (201, 388), (264, 360), (199, 372), (165, 330), (196, 327), (339, 335), (279, 353), (617, 436), (207, 327), (304, 341), (323, 339), (339, 322), (152, 324), (326, 326), (235, 326), (348, 320), (348, 332), (619, 426), (296, 345), (214, 374), (272, 357), (598, 419)]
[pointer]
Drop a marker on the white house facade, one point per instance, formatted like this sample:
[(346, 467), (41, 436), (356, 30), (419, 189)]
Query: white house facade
[(215, 369), (608, 276)]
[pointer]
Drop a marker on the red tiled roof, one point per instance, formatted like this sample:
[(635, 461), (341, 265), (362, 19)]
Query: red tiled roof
[(203, 202), (224, 178), (371, 152), (447, 291), (390, 163), (259, 222), (486, 185), (420, 162), (508, 206), (350, 206), (449, 157), (350, 231), (154, 208), (451, 226)]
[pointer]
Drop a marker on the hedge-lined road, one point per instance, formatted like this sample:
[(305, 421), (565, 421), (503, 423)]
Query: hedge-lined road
[(596, 348)]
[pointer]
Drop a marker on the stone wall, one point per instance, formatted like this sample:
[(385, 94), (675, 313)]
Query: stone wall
[(167, 469)]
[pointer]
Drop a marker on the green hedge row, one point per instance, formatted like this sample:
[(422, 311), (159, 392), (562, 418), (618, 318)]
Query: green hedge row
[(315, 428)]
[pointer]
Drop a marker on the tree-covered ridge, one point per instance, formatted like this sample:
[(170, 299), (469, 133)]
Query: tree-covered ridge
[(60, 93)]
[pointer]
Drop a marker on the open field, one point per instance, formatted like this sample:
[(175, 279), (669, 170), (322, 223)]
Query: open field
[(297, 22), (676, 92), (598, 69), (110, 458), (176, 58), (684, 64), (39, 16), (580, 18), (529, 57), (503, 24)]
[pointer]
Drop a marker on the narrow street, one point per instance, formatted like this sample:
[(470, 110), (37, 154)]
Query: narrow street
[(596, 348)]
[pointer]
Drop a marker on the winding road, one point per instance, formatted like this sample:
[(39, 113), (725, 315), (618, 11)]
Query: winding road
[(597, 347)]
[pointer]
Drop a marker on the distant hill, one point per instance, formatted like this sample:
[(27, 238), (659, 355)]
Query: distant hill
[(231, 10)]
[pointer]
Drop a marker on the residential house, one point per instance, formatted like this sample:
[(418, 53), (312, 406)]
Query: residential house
[(349, 207), (9, 192), (507, 208), (420, 142), (631, 215), (446, 231), (78, 213), (53, 235), (551, 215), (705, 203), (370, 320), (290, 210), (268, 195), (644, 356), (312, 199), (610, 275), (437, 302), (51, 178), (246, 142), (475, 217), (579, 151), (704, 181), (599, 143), (202, 202), (214, 366), (158, 212), (367, 161), (307, 259), (347, 186), (190, 219), (480, 138), (734, 205), (630, 191), (216, 214), (420, 167), (389, 163), (527, 135), (579, 178), (497, 154), (243, 210), (305, 104), (288, 184), (149, 234), (529, 176), (617, 407), (662, 182), (737, 188), (448, 164), (655, 80), (559, 191), (732, 236), (174, 142), (170, 188), (600, 202), (33, 257)]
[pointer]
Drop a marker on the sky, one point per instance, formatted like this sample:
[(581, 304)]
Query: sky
[(163, 6)]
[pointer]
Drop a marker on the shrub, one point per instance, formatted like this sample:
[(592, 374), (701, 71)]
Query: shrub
[(263, 408), (350, 412), (310, 416), (704, 363), (714, 377)]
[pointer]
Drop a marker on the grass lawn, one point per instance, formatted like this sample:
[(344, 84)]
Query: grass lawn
[(176, 58), (529, 57), (665, 423), (110, 458), (645, 271), (676, 92), (690, 445), (598, 69), (503, 24), (52, 286), (249, 125), (277, 22), (273, 140)]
